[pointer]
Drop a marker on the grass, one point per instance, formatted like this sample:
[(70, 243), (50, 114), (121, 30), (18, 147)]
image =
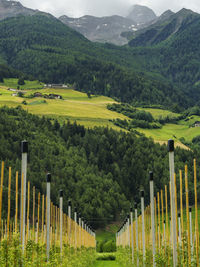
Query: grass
[(75, 106), (105, 264), (174, 131), (157, 113), (104, 235), (13, 83), (183, 129), (108, 233), (90, 112)]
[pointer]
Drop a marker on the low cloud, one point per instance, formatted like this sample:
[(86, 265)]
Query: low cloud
[(77, 8)]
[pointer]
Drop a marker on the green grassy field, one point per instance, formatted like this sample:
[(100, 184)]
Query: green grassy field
[(174, 131), (157, 113), (13, 83), (75, 106), (108, 233), (90, 112), (183, 129), (105, 264)]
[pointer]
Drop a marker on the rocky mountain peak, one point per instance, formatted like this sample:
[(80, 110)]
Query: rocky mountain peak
[(141, 14)]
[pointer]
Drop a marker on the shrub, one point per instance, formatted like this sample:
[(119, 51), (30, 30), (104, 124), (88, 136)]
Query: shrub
[(106, 258), (21, 81), (109, 246)]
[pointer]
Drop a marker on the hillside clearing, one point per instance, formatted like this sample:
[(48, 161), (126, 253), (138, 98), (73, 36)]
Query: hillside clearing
[(75, 106)]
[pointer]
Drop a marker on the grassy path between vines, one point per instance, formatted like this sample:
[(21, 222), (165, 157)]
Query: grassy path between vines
[(105, 264)]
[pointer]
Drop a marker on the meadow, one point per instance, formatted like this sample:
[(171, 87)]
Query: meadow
[(183, 130), (91, 112), (74, 105)]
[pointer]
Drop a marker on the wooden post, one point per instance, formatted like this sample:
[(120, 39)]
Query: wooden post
[(166, 210), (190, 215), (38, 226), (9, 189), (159, 228), (181, 206), (152, 216), (143, 225), (42, 239), (1, 193), (173, 208), (162, 207), (156, 230), (16, 202), (34, 213), (196, 214), (187, 212)]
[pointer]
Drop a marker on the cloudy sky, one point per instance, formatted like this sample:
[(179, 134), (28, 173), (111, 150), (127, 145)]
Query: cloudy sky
[(77, 8)]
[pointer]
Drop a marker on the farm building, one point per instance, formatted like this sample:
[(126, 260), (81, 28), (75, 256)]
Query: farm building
[(12, 90), (56, 86)]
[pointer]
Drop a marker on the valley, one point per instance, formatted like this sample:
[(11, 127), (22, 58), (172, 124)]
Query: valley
[(87, 107), (91, 111)]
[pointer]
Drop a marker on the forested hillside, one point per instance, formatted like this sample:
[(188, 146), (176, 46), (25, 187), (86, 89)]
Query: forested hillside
[(176, 45), (48, 50), (101, 170)]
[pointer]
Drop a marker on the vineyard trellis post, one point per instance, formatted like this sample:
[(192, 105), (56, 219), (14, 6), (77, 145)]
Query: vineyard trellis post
[(24, 151), (79, 222), (136, 232), (16, 202), (191, 242), (75, 230), (69, 222), (1, 193), (128, 230), (152, 216), (61, 219), (132, 245), (173, 203), (179, 227), (196, 214), (143, 225), (48, 213)]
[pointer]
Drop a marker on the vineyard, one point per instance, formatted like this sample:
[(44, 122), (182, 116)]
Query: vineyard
[(165, 234), (52, 237), (35, 231)]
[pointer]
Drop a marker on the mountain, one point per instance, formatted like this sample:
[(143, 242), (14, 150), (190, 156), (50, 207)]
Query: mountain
[(104, 29), (50, 51), (165, 27), (164, 16), (129, 35), (14, 8), (175, 44), (141, 14), (109, 29)]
